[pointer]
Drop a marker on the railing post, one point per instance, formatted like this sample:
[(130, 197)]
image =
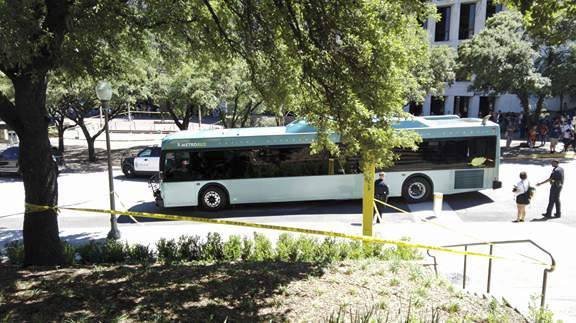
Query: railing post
[(464, 274), (489, 270), (544, 283)]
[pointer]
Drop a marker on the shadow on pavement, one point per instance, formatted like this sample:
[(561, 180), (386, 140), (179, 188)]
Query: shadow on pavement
[(7, 236), (542, 219), (261, 210), (536, 161), (466, 200), (142, 179), (82, 238), (10, 178)]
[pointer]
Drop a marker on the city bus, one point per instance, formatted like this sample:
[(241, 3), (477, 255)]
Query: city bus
[(216, 168)]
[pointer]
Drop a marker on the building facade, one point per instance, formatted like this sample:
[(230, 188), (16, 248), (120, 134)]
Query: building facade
[(461, 20)]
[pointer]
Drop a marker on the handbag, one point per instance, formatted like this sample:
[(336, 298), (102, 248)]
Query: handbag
[(525, 197)]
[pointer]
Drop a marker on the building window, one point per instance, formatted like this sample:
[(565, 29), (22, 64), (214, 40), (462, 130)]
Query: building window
[(486, 106), (492, 9), (415, 109), (461, 105), (467, 18), (442, 32), (437, 105)]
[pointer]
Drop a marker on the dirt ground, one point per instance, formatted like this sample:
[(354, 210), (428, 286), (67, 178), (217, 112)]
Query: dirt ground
[(352, 291)]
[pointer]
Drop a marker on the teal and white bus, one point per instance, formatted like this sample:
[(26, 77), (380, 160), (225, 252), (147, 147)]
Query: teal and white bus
[(216, 168)]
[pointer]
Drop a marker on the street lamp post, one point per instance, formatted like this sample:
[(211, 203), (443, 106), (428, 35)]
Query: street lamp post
[(104, 93)]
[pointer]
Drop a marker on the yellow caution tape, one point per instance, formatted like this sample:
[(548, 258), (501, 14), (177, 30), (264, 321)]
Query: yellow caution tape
[(40, 208)]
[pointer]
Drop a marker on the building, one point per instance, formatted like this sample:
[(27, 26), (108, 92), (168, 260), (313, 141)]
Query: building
[(461, 20)]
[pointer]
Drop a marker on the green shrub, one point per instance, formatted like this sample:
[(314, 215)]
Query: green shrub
[(285, 247), (306, 249), (356, 250), (213, 248), (247, 248), (233, 248), (15, 252), (328, 251), (538, 314), (407, 253), (69, 253), (140, 254), (372, 250), (167, 251), (189, 248), (90, 253), (114, 252), (262, 248), (344, 250)]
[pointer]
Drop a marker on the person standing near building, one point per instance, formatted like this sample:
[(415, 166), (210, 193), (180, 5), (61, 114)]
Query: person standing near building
[(556, 181), (555, 135), (381, 192)]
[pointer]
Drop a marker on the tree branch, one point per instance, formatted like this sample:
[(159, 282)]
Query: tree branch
[(8, 113), (233, 45)]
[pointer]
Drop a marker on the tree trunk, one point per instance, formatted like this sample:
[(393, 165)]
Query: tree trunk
[(41, 241), (91, 152), (525, 103), (539, 107), (61, 131)]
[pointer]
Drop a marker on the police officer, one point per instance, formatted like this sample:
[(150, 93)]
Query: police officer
[(556, 181), (381, 192)]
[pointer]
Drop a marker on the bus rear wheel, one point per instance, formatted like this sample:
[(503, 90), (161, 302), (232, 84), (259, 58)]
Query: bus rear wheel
[(213, 198), (416, 190)]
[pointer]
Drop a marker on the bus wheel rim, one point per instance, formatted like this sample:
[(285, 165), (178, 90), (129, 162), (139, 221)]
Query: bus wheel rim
[(417, 190), (212, 199)]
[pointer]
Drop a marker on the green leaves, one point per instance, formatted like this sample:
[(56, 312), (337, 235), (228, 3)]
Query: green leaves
[(502, 59)]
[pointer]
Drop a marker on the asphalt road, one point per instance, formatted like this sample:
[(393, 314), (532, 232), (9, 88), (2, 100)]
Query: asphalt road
[(91, 190)]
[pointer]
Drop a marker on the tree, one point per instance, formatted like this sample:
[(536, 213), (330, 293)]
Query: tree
[(562, 71), (57, 114), (233, 87), (37, 37), (343, 65), (502, 59), (551, 22)]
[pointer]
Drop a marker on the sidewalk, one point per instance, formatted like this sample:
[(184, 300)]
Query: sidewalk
[(515, 277), (518, 150)]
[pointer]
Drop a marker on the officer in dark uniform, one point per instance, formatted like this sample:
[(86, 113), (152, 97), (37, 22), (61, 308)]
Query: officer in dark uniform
[(381, 192), (556, 181)]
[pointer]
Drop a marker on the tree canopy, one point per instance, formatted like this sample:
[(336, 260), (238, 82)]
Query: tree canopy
[(345, 66), (552, 22), (503, 60)]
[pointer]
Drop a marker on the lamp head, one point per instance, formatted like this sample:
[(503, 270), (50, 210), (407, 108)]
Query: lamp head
[(104, 90)]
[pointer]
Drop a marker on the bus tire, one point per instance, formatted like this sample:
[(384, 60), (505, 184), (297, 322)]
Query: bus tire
[(213, 198), (416, 189)]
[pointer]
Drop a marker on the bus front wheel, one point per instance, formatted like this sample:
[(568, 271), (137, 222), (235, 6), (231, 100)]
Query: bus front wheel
[(416, 189), (213, 198)]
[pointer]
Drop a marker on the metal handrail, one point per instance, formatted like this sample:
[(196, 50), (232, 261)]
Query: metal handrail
[(489, 279)]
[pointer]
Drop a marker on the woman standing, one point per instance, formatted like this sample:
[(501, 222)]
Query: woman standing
[(521, 189)]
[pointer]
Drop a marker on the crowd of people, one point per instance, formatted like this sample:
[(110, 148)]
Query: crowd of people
[(553, 128)]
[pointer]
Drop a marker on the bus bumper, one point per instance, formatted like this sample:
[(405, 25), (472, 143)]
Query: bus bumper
[(496, 184)]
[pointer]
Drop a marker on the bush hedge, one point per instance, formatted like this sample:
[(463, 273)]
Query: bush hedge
[(214, 249)]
